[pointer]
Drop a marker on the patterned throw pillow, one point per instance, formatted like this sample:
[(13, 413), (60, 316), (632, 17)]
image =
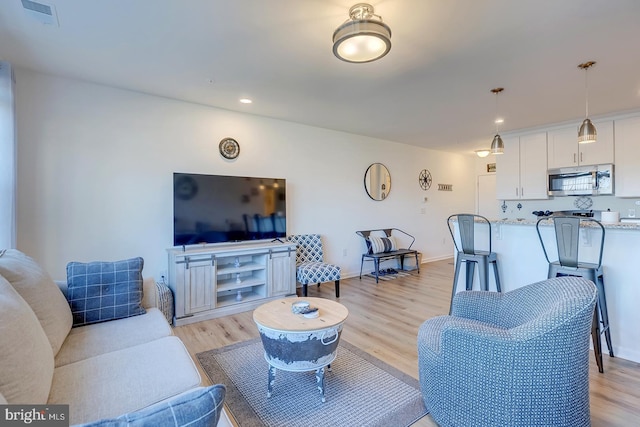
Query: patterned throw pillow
[(100, 291), (378, 245), (198, 408)]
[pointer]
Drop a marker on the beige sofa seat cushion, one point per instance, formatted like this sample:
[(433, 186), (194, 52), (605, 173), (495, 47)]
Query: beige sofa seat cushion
[(122, 381), (91, 340), (26, 358), (41, 293)]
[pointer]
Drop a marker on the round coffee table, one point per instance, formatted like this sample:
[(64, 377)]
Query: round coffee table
[(293, 342)]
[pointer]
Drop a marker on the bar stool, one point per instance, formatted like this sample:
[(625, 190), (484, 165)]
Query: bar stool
[(470, 255), (567, 231)]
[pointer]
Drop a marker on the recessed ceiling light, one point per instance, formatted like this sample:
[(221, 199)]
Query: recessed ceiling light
[(498, 121), (245, 101)]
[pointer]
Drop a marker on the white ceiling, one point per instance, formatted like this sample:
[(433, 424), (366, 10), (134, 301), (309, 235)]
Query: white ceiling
[(431, 90)]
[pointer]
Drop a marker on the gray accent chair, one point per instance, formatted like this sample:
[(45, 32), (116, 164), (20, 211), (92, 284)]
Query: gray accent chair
[(519, 358)]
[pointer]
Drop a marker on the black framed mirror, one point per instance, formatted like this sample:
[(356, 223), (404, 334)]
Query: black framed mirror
[(377, 181)]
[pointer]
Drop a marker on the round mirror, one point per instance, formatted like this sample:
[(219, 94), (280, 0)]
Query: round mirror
[(377, 181)]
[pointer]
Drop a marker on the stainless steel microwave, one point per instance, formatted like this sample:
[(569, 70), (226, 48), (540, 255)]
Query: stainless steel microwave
[(581, 181)]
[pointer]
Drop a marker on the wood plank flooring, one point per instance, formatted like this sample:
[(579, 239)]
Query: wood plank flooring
[(384, 320)]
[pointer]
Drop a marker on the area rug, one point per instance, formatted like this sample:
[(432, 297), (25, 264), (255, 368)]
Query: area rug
[(360, 390), (388, 276)]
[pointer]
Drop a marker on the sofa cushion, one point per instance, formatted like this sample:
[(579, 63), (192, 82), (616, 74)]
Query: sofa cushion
[(26, 357), (197, 408), (40, 292), (100, 291), (91, 340), (122, 381)]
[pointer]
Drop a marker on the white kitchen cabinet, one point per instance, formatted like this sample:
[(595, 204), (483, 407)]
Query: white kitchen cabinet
[(564, 150), (521, 172), (218, 280), (627, 157)]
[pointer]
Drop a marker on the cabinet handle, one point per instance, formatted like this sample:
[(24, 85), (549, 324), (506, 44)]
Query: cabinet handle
[(516, 191), (574, 157), (581, 157), (521, 191)]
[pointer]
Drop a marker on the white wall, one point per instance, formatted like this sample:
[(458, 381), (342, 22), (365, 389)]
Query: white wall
[(95, 169)]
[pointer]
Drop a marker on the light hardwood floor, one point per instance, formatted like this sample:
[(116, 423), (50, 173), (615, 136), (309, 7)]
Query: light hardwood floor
[(384, 319)]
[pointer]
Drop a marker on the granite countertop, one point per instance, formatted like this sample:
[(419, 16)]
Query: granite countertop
[(610, 225)]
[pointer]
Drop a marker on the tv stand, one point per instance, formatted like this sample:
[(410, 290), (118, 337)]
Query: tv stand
[(218, 280)]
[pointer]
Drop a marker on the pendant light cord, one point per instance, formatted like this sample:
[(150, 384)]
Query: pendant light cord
[(586, 92)]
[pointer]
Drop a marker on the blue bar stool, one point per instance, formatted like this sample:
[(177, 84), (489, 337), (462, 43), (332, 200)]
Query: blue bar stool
[(567, 231), (470, 255)]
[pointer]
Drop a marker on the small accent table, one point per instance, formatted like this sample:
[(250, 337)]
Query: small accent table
[(293, 342)]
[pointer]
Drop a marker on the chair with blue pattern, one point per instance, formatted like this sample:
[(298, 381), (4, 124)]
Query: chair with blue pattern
[(519, 358), (310, 265)]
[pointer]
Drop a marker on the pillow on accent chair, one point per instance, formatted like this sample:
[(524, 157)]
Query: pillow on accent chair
[(378, 245), (197, 408), (100, 291)]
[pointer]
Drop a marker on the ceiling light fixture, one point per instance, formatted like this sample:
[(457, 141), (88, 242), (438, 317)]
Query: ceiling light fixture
[(587, 132), (245, 101), (363, 37), (483, 153), (497, 146)]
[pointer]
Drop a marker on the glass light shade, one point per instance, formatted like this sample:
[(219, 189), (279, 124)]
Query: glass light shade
[(497, 146), (587, 133), (483, 152), (361, 41)]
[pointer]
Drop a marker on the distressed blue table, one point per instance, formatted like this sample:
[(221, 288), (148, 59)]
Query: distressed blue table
[(293, 342)]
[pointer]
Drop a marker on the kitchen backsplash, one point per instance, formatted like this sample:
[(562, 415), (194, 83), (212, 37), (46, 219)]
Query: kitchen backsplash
[(513, 209)]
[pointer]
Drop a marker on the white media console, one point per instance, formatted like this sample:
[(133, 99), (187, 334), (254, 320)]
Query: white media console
[(216, 280)]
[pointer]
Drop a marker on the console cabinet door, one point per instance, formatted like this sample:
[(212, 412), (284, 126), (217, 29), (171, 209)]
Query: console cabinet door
[(282, 272), (627, 157), (198, 284)]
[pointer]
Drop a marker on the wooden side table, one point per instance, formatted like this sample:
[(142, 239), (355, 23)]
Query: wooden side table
[(293, 342)]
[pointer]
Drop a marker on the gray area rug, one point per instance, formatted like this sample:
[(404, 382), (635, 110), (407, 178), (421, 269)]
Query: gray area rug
[(387, 276), (360, 390)]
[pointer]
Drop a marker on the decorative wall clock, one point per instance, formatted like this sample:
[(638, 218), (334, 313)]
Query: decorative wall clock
[(229, 148), (424, 179), (185, 187)]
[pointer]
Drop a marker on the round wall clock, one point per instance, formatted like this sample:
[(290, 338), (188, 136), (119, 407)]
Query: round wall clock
[(185, 187), (424, 179), (229, 148)]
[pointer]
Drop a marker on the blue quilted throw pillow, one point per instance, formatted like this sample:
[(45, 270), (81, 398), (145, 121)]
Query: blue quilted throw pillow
[(101, 291)]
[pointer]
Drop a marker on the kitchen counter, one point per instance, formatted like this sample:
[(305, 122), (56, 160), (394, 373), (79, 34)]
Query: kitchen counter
[(607, 225), (521, 261)]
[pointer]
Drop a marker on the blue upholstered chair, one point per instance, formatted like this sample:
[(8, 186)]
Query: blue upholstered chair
[(310, 265), (519, 358)]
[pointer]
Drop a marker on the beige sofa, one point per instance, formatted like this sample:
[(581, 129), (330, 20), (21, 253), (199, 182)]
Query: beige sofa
[(102, 370)]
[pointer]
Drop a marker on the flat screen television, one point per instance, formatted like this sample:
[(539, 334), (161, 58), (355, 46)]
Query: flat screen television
[(217, 208)]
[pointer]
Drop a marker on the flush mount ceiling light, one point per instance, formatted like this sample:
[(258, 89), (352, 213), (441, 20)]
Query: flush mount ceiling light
[(587, 132), (483, 153), (497, 146), (363, 37)]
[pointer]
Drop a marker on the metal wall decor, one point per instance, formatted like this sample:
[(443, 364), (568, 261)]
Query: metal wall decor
[(424, 179)]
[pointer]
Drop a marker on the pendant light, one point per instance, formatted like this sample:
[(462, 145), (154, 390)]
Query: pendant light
[(587, 132), (497, 146)]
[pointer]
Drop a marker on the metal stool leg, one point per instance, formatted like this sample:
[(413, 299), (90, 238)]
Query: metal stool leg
[(471, 265), (604, 315), (483, 274), (595, 337), (497, 276), (456, 275)]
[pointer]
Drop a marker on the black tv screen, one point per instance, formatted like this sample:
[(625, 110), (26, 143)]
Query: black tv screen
[(216, 208)]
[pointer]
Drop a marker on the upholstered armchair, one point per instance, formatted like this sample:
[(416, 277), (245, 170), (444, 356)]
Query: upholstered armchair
[(310, 265), (519, 358)]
